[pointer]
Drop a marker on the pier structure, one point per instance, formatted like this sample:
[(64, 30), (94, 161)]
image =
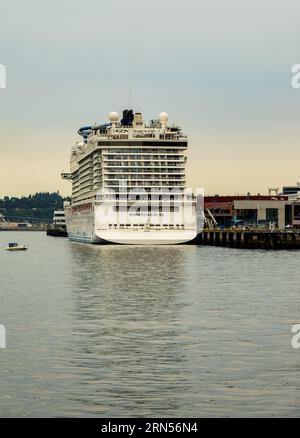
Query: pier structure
[(250, 239)]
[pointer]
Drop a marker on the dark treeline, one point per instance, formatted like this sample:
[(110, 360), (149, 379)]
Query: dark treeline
[(40, 205)]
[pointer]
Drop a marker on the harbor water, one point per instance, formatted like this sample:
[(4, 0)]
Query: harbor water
[(118, 331)]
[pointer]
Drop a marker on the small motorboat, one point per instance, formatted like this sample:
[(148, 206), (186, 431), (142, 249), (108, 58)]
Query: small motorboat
[(16, 247)]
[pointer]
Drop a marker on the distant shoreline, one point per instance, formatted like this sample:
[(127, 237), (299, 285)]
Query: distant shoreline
[(24, 229)]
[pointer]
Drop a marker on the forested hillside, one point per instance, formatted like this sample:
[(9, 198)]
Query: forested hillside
[(39, 205)]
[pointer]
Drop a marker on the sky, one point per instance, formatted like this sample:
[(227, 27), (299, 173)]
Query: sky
[(220, 68)]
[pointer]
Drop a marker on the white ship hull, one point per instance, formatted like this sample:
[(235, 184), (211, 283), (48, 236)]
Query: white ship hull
[(83, 227), (143, 237)]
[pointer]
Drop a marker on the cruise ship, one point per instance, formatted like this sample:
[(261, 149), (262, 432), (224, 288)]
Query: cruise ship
[(129, 184)]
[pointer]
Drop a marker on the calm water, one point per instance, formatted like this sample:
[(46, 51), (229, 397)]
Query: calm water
[(147, 331)]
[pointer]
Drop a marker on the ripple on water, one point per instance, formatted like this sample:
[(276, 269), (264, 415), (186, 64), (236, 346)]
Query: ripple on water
[(147, 331)]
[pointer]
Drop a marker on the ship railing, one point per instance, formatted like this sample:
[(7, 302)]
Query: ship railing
[(139, 134)]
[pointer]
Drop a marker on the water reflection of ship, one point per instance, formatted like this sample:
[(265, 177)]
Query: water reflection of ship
[(126, 271), (128, 322)]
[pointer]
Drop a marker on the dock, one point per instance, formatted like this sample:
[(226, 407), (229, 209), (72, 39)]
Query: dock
[(250, 239)]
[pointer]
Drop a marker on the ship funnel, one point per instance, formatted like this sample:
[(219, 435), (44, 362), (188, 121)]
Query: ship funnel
[(127, 118)]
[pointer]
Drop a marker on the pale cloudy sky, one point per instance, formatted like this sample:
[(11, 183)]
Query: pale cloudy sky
[(220, 68)]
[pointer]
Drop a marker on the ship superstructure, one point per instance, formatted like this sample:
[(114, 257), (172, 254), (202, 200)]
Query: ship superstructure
[(129, 184)]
